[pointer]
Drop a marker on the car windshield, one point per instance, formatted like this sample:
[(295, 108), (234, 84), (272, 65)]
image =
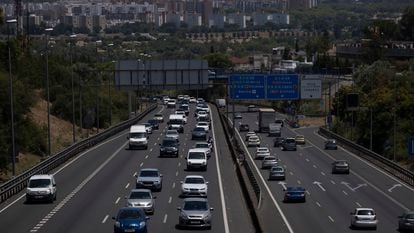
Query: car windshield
[(152, 121), (140, 195), (169, 143), (365, 212), (269, 158), (201, 145), (194, 180), (137, 135), (290, 140), (277, 169), (148, 174), (295, 189), (341, 163), (169, 132), (199, 129), (39, 183), (409, 216), (195, 205), (158, 115), (196, 155), (130, 214)]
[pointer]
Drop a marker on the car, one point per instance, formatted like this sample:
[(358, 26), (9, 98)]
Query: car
[(340, 166), (202, 107), (200, 101), (149, 178), (269, 161), (195, 212), (165, 100), (248, 134), (194, 185), (277, 173), (41, 188), (289, 144), (279, 122), (204, 118), (204, 125), (130, 219), (330, 144), (154, 123), (172, 133), (171, 103), (199, 133), (193, 100), (204, 145), (159, 117), (197, 159), (200, 114), (300, 139), (141, 198), (278, 142), (364, 218), (148, 127), (182, 113), (178, 127), (244, 127), (253, 141), (261, 152), (169, 146), (251, 108), (185, 108), (238, 115), (294, 194), (406, 221)]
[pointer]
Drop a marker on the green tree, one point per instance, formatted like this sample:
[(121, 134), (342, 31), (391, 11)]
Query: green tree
[(218, 61)]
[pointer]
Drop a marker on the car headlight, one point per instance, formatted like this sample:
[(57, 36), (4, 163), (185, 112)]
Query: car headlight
[(207, 216), (157, 182), (183, 215), (117, 224), (204, 162), (142, 224)]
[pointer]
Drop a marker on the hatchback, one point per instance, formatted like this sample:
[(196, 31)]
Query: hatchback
[(340, 166), (130, 219), (262, 152), (150, 178), (195, 212), (364, 218), (406, 221), (248, 134), (253, 141), (277, 173), (172, 133), (141, 198), (194, 185), (330, 144), (269, 161)]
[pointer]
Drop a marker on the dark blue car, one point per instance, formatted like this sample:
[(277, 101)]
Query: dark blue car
[(294, 194), (130, 219)]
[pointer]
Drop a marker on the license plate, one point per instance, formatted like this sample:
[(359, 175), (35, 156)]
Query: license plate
[(38, 197), (195, 222), (129, 230)]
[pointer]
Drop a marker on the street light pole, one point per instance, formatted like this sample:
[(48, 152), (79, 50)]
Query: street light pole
[(109, 89), (48, 30), (97, 87), (73, 91), (13, 149)]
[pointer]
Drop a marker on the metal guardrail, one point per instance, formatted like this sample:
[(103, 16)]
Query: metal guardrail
[(18, 183), (387, 165)]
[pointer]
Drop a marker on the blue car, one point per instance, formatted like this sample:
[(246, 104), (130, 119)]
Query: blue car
[(295, 194), (130, 219)]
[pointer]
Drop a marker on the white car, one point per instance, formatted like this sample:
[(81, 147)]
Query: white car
[(165, 100), (159, 117), (194, 185), (200, 100), (204, 145), (262, 152), (364, 218), (253, 141), (193, 100), (172, 133), (182, 113), (171, 103), (201, 114), (204, 125), (196, 158), (250, 133), (41, 187)]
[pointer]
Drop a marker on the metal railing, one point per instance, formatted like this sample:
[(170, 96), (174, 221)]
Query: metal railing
[(18, 183), (386, 164)]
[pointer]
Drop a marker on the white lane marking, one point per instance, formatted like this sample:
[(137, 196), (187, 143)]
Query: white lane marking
[(135, 174), (105, 218), (155, 144), (84, 182), (165, 218), (345, 192), (283, 184), (158, 138), (141, 164), (299, 182), (126, 186), (176, 173), (330, 218), (393, 187), (169, 200), (264, 183), (318, 204), (333, 182), (314, 166), (223, 202), (319, 184), (357, 203), (117, 200), (146, 156), (307, 192), (173, 186), (291, 173), (151, 148), (307, 160), (179, 164), (323, 173)]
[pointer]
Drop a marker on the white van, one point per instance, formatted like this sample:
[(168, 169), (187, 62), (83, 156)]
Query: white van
[(177, 119), (138, 137), (41, 187), (197, 158)]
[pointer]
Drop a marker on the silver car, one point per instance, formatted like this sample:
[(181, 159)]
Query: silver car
[(269, 161), (194, 185), (195, 212), (149, 178), (277, 173), (172, 133), (253, 141), (141, 198), (364, 218), (261, 152)]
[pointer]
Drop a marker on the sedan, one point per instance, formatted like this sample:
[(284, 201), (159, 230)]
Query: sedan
[(251, 108), (269, 161), (194, 185), (364, 218), (154, 123), (130, 219), (277, 173), (406, 221), (330, 144), (278, 142), (248, 134), (253, 141), (262, 152), (199, 133), (294, 193), (179, 128), (289, 144), (141, 198), (204, 145), (238, 115), (159, 117), (244, 127), (340, 166), (204, 125), (150, 178), (172, 133), (195, 212)]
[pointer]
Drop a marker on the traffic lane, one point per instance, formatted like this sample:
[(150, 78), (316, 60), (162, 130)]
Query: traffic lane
[(395, 190)]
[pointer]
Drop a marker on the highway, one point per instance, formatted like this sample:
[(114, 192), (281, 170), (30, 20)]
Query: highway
[(330, 198), (93, 186)]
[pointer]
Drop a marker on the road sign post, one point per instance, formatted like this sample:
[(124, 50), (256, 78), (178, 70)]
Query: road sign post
[(282, 87)]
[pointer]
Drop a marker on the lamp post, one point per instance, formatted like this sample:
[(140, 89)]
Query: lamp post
[(13, 148), (97, 87), (72, 37), (48, 30), (109, 89)]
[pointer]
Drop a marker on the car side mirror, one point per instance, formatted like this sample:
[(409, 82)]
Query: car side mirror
[(160, 175), (211, 209), (147, 218), (127, 137)]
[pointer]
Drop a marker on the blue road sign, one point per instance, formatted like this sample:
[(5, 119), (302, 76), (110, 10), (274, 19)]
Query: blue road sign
[(283, 87), (411, 146), (247, 86)]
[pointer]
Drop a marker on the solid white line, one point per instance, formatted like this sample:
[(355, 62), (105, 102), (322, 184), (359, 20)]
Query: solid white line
[(223, 201), (117, 200), (105, 218), (165, 218), (265, 185)]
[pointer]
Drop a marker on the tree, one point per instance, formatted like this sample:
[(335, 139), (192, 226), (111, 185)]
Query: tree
[(218, 61), (407, 24)]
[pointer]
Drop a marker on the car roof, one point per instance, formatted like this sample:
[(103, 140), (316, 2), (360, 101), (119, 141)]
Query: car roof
[(194, 176), (150, 169), (269, 157), (358, 209), (141, 190), (262, 148), (195, 199), (42, 176), (295, 188), (201, 143), (172, 131), (197, 150)]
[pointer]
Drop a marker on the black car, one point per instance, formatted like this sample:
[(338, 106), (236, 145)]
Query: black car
[(169, 146), (244, 127), (330, 144), (199, 133), (278, 142), (289, 144), (154, 123), (279, 122), (340, 166), (178, 127)]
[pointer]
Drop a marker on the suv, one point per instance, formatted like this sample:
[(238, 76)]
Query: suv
[(169, 146), (149, 178), (41, 187), (197, 158), (289, 144)]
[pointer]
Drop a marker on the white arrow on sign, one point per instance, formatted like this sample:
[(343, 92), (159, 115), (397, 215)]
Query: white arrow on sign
[(320, 185), (283, 184), (393, 187), (352, 189)]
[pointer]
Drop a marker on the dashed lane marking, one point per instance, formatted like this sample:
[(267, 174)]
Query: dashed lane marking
[(105, 218)]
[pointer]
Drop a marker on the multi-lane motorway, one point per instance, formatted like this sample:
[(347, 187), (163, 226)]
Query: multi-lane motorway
[(93, 186)]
